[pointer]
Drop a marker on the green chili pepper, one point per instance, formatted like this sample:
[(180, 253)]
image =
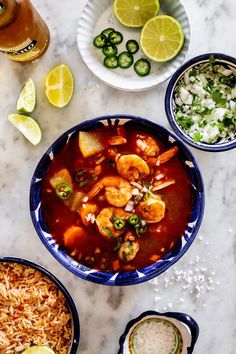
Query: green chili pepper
[(64, 190), (81, 177), (134, 219), (140, 229), (100, 41), (119, 224), (2, 8)]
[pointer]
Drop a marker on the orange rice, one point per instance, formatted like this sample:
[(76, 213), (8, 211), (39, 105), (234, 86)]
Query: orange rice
[(33, 311)]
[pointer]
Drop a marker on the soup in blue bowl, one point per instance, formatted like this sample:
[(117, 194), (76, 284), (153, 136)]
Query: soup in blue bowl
[(117, 200)]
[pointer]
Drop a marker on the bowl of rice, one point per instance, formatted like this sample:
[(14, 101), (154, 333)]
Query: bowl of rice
[(162, 333), (36, 310), (200, 102)]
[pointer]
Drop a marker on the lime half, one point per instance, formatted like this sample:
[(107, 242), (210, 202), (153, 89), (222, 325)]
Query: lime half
[(59, 86), (38, 350), (27, 100), (162, 38), (135, 13), (27, 126)]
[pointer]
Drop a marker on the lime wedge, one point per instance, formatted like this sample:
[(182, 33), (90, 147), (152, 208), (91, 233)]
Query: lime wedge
[(27, 126), (59, 86), (135, 13), (38, 350), (27, 99), (162, 38)]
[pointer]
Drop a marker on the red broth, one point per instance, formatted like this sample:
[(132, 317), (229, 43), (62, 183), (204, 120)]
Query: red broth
[(84, 242)]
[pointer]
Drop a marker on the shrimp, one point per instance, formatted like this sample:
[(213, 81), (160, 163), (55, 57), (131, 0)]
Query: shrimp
[(151, 209), (104, 221), (164, 157), (118, 191), (129, 248), (162, 184), (146, 145), (132, 167)]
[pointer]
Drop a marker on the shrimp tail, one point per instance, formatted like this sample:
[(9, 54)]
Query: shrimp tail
[(167, 155), (96, 189), (163, 158)]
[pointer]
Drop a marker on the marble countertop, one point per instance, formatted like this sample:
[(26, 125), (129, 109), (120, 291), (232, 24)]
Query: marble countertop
[(203, 282)]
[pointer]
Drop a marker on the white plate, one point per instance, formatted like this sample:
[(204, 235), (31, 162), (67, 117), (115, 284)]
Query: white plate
[(98, 15)]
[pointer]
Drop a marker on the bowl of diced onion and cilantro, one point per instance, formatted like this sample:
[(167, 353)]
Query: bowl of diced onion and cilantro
[(200, 102)]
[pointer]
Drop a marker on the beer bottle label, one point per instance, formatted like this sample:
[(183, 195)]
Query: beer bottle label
[(25, 47)]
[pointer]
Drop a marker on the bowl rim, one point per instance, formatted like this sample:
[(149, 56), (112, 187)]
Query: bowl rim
[(69, 301), (179, 316), (152, 272), (228, 145)]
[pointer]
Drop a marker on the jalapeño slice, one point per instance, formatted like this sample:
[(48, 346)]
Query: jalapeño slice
[(134, 219), (64, 190), (125, 60), (119, 224), (132, 46), (107, 31), (109, 50), (100, 41), (142, 67), (111, 63), (115, 37)]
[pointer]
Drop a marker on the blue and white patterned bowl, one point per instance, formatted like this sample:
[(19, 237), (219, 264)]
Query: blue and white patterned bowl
[(187, 326), (70, 303), (136, 276), (169, 101)]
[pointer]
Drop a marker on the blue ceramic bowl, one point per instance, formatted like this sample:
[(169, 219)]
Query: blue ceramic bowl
[(187, 325), (70, 303), (135, 276), (169, 101)]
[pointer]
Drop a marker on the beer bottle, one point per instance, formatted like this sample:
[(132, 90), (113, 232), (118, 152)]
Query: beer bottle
[(24, 36)]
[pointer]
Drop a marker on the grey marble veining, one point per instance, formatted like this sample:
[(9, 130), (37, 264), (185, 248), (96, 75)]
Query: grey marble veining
[(105, 311)]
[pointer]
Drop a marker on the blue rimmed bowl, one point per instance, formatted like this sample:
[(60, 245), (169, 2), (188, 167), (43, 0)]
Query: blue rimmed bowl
[(222, 59), (135, 276), (70, 303), (187, 326)]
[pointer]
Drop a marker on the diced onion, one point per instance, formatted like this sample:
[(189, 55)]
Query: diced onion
[(129, 206)]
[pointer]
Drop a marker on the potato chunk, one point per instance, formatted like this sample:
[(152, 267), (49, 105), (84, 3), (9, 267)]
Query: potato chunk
[(62, 176), (90, 143)]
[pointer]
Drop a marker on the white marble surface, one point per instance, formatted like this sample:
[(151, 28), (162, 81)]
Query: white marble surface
[(105, 311)]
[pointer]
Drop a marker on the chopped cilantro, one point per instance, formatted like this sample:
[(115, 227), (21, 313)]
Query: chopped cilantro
[(212, 59), (193, 72), (229, 121), (196, 101), (185, 122), (228, 80), (217, 97), (108, 232), (206, 111), (197, 136)]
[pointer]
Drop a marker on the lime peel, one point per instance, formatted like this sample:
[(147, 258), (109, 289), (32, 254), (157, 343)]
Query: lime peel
[(27, 126), (27, 99)]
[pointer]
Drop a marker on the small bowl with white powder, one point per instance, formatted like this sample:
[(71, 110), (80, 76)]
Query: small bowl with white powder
[(163, 333), (200, 102)]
